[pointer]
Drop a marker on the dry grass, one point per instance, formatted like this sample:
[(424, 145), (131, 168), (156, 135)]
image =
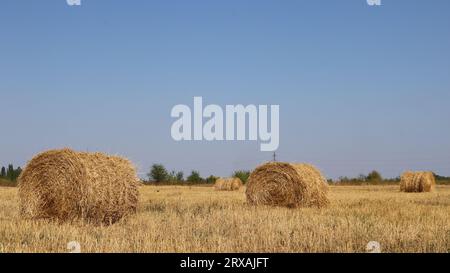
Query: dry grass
[(200, 219), (7, 183)]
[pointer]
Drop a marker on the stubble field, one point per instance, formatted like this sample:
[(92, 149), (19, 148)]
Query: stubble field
[(199, 219)]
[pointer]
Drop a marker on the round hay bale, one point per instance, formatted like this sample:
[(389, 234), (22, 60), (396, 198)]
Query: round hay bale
[(218, 186), (417, 182), (287, 185), (65, 185), (228, 184), (406, 181), (236, 184)]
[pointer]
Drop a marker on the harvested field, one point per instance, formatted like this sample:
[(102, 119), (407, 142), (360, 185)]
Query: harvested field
[(200, 219)]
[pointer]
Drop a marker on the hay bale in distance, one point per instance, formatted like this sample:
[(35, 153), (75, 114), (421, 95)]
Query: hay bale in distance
[(417, 182), (65, 185), (287, 185), (219, 184), (236, 184), (228, 184)]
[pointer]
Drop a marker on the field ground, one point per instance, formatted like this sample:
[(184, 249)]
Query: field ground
[(6, 183), (199, 219)]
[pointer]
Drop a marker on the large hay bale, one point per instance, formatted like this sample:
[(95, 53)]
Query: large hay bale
[(417, 182), (288, 185), (228, 184), (65, 185)]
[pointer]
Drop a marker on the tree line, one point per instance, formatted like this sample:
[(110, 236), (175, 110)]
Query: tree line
[(374, 177), (160, 175), (10, 173)]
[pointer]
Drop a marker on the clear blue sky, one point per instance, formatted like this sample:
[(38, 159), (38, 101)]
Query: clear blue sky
[(359, 87)]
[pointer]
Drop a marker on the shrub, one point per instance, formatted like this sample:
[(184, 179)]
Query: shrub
[(243, 175), (158, 173), (211, 179), (195, 178), (374, 176)]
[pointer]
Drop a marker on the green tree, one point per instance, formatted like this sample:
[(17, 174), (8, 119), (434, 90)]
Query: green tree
[(211, 179), (374, 176), (195, 178), (175, 176), (243, 175), (180, 176), (17, 173), (439, 177), (343, 179), (158, 173), (10, 172), (3, 172), (362, 178), (172, 176)]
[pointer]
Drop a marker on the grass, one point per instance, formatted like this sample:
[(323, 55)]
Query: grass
[(7, 183), (199, 219)]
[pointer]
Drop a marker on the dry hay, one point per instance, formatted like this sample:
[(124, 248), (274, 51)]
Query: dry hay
[(65, 185), (219, 184), (236, 184), (417, 182), (228, 184), (287, 185)]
